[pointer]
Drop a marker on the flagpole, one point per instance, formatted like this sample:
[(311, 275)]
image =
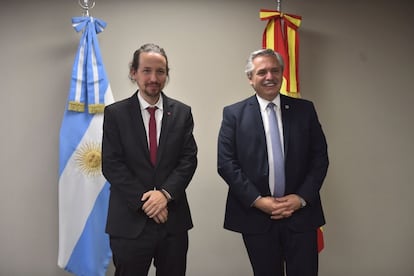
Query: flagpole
[(279, 5), (86, 5)]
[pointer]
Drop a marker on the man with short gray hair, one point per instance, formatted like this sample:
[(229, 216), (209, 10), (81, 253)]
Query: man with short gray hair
[(272, 154)]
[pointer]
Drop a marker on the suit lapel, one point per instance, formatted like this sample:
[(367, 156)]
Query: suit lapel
[(257, 121), (168, 107), (285, 105), (139, 131)]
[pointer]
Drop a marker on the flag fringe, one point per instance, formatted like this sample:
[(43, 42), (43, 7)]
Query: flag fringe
[(76, 106), (96, 108)]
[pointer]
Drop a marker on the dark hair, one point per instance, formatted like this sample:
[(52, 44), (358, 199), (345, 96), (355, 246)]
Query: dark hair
[(146, 48)]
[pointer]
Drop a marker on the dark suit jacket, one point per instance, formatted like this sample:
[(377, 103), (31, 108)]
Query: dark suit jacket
[(127, 167), (243, 163)]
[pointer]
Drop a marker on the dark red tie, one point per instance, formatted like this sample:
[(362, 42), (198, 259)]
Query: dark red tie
[(152, 135)]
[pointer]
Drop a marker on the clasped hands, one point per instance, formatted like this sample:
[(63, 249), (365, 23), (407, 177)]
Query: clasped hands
[(278, 207), (155, 206)]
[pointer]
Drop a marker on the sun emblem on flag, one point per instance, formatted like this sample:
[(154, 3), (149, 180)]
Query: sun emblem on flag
[(88, 158)]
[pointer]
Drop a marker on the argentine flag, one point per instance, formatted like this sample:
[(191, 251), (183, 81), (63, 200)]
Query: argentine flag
[(83, 191)]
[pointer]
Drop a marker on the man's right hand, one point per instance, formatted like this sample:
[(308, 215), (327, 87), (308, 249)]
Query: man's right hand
[(276, 208)]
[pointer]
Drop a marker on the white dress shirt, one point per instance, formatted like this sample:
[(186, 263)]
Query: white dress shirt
[(265, 117), (146, 115)]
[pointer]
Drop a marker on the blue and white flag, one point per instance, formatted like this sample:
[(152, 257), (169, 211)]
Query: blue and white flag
[(83, 191)]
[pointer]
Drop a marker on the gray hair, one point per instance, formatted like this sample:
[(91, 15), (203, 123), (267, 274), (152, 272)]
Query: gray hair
[(262, 52)]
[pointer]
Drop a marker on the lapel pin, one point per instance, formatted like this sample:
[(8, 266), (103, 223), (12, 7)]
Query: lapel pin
[(286, 106)]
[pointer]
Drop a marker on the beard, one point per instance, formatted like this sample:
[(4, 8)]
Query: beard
[(151, 92)]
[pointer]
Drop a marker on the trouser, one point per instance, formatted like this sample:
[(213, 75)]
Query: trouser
[(281, 249), (133, 257)]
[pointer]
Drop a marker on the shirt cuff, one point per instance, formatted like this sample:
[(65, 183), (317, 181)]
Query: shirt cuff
[(302, 202), (252, 205), (167, 195)]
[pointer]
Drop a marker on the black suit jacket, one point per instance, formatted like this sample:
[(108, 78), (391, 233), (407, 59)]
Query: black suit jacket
[(243, 163), (127, 167)]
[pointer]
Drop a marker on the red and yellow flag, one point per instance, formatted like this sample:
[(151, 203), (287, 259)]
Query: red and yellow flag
[(281, 35), (321, 243)]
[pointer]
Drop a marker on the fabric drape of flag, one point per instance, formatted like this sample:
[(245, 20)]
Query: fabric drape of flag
[(281, 35), (83, 191)]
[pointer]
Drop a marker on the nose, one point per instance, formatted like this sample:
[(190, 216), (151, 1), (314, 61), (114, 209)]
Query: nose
[(153, 76), (269, 75)]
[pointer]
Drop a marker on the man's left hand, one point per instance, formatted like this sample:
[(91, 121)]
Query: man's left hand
[(155, 202)]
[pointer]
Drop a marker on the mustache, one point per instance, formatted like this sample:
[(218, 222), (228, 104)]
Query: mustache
[(270, 82)]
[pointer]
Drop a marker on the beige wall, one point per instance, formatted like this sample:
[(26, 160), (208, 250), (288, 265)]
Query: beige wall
[(355, 63)]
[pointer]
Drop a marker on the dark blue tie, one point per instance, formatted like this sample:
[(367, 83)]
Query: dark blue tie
[(278, 159)]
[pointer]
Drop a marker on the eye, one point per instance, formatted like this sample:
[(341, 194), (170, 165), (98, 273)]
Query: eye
[(261, 72), (161, 72)]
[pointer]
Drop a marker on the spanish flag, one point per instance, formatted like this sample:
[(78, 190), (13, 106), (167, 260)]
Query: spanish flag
[(281, 35)]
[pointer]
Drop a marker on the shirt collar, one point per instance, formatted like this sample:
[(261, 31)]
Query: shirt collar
[(144, 104), (263, 103)]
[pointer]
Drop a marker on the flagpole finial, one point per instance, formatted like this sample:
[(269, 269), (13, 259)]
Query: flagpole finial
[(86, 5), (279, 5)]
